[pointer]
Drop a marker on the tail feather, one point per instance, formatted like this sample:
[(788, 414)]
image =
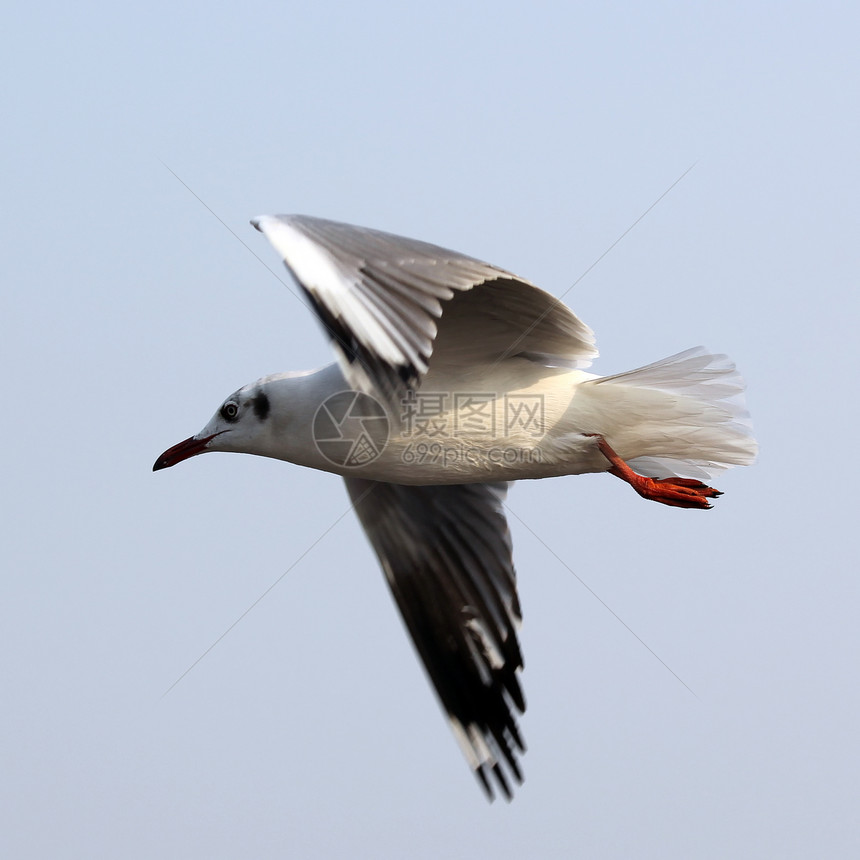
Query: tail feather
[(683, 415)]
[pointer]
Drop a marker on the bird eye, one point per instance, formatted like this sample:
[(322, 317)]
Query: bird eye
[(230, 411)]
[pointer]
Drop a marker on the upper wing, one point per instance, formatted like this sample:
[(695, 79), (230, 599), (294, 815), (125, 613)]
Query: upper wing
[(446, 554), (381, 298)]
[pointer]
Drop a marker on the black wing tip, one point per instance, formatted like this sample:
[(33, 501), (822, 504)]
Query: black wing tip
[(500, 766), (485, 783), (500, 784)]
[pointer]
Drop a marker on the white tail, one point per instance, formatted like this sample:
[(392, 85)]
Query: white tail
[(681, 416)]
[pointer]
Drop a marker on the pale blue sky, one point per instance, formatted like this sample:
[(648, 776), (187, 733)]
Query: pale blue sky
[(530, 135)]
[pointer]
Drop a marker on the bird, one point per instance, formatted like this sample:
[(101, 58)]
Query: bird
[(454, 378)]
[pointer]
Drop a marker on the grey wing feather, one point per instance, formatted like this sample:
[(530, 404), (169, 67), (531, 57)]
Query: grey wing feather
[(446, 555), (384, 298)]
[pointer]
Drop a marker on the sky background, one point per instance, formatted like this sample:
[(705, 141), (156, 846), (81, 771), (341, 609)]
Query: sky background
[(529, 135)]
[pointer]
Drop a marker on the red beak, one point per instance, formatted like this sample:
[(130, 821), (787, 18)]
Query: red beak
[(182, 451)]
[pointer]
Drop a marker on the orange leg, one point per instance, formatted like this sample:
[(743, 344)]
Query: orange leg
[(677, 492)]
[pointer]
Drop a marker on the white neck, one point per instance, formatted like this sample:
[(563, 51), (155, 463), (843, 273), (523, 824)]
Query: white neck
[(295, 399)]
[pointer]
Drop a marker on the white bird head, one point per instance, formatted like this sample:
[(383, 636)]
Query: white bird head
[(241, 424)]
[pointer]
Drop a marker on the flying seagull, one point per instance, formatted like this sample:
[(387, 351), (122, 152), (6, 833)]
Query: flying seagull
[(453, 378)]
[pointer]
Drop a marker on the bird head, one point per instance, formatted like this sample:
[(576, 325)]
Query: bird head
[(238, 425)]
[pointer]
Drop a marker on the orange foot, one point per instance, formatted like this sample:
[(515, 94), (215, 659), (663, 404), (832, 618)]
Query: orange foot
[(677, 492)]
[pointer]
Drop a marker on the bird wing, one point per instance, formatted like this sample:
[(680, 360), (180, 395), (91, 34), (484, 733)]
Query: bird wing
[(446, 555), (384, 299)]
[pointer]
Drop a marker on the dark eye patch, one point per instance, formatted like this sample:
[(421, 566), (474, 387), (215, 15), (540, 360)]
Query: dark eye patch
[(261, 406)]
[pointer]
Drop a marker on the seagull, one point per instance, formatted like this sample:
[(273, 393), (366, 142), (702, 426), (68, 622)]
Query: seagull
[(454, 378)]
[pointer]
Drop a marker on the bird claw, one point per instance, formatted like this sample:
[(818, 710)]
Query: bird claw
[(675, 492)]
